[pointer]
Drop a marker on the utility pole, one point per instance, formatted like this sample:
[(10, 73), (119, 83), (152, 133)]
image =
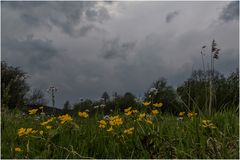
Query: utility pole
[(51, 90)]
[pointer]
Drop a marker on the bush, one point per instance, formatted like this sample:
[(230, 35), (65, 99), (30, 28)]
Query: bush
[(14, 87)]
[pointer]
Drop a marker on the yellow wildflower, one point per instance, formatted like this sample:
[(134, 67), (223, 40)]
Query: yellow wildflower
[(158, 104), (24, 131), (41, 132), (208, 124), (48, 127), (191, 114), (128, 113), (128, 131), (116, 120), (33, 111), (17, 149), (155, 112), (134, 111), (148, 121), (44, 123), (142, 115), (146, 103), (65, 118), (113, 117), (29, 130), (181, 114), (101, 126), (102, 123), (48, 121), (127, 109), (34, 131), (21, 132), (110, 129), (83, 114)]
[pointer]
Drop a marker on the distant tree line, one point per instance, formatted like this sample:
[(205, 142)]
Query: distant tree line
[(191, 95)]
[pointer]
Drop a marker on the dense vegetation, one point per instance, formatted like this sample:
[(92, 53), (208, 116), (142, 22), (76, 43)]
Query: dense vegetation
[(193, 94), (166, 123), (138, 134)]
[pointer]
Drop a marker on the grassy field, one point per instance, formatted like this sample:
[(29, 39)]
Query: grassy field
[(133, 134)]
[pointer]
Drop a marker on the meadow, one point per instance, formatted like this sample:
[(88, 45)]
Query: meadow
[(144, 133)]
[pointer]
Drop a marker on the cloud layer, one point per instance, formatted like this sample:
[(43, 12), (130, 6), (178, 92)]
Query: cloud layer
[(171, 15), (230, 12), (86, 48)]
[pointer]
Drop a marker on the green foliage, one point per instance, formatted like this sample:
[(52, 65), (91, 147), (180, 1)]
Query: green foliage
[(195, 91), (83, 105), (161, 92), (166, 138), (119, 103), (125, 101), (13, 86)]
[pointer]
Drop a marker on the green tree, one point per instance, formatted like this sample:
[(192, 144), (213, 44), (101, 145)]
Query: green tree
[(128, 100), (195, 91), (13, 86), (86, 104), (161, 92)]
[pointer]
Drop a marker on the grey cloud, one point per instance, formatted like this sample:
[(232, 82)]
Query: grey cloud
[(116, 49), (33, 52), (99, 15), (230, 12), (67, 16), (103, 15), (91, 14), (228, 61), (170, 16), (86, 66)]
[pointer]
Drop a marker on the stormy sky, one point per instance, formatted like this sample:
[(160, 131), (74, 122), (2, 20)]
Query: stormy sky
[(86, 48)]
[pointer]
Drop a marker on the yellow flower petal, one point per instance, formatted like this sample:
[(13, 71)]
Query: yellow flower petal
[(155, 112), (48, 127), (33, 111), (41, 132), (158, 104), (110, 129), (65, 118), (128, 109), (146, 103), (17, 149), (83, 114)]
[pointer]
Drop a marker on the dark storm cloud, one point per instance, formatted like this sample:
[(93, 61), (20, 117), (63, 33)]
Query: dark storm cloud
[(230, 12), (170, 16), (116, 49), (35, 52), (30, 20), (64, 15), (228, 61), (146, 49), (97, 15)]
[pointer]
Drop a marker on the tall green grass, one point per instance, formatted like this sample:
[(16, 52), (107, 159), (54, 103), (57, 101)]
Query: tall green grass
[(167, 137)]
